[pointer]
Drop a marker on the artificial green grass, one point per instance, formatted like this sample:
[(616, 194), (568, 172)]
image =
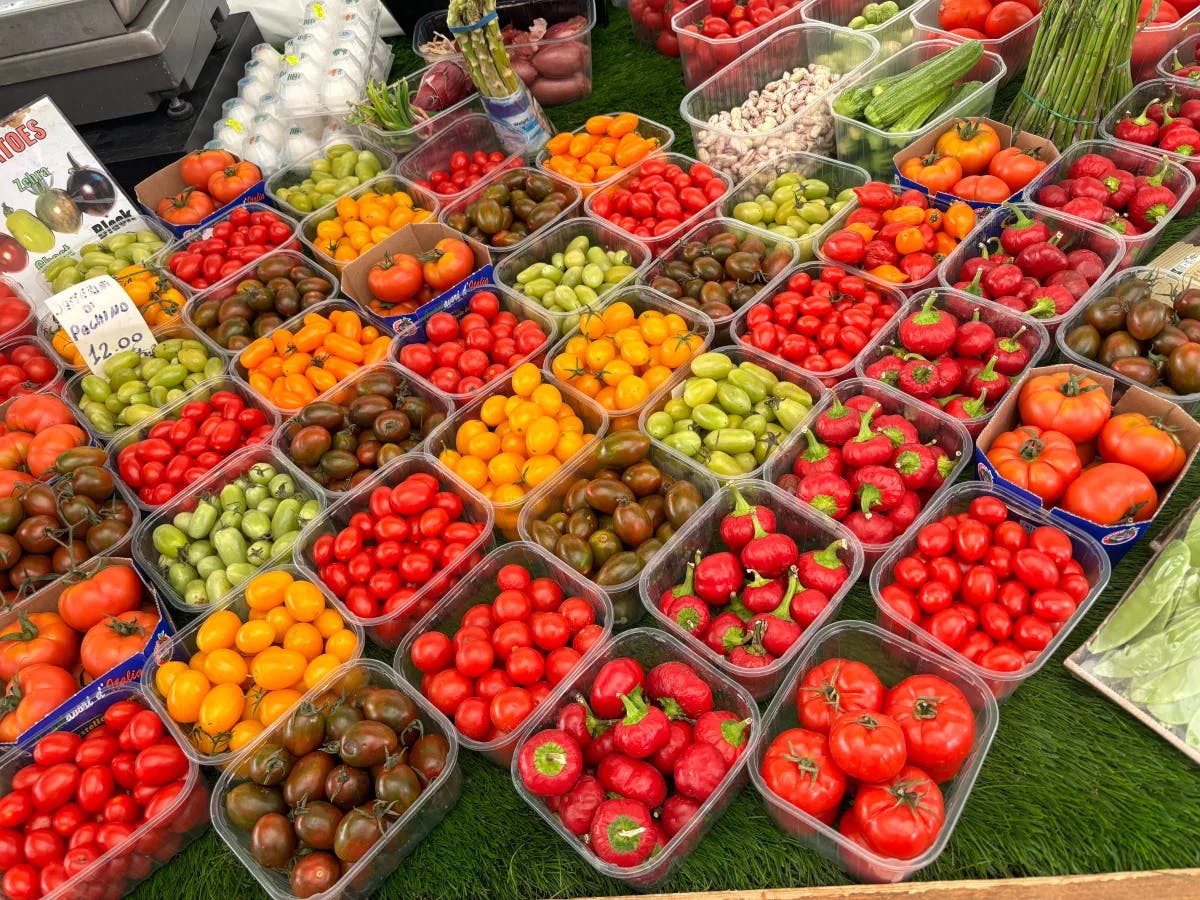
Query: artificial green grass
[(1071, 785)]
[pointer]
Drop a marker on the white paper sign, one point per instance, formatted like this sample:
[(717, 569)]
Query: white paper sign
[(101, 320)]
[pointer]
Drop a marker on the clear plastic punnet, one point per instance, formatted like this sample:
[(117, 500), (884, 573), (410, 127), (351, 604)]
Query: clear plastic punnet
[(641, 299), (893, 659), (837, 176), (195, 742), (388, 629), (460, 205), (562, 75), (406, 140), (302, 169), (647, 128), (701, 537), (1183, 54), (739, 329), (171, 412), (19, 314), (325, 254), (1146, 162), (447, 617), (203, 310), (402, 832), (1008, 324), (702, 56), (1014, 48), (469, 134), (550, 497), (933, 427), (343, 394), (57, 382), (651, 648), (150, 561), (595, 423), (1085, 550), (151, 844), (547, 244), (728, 140), (893, 35), (658, 242), (702, 233), (1076, 234), (1164, 286), (873, 148), (738, 354), (1150, 42)]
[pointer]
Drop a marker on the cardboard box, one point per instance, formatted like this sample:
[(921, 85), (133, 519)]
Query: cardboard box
[(1026, 141), (416, 239), (168, 181), (1116, 539), (130, 671)]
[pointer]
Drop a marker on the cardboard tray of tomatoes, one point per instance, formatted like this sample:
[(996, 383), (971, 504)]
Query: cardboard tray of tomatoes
[(400, 831), (49, 695), (649, 648), (388, 630), (1085, 550), (178, 813), (482, 589), (1118, 538), (196, 171), (891, 659)]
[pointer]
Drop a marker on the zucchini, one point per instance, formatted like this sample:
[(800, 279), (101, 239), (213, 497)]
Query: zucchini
[(854, 100), (930, 78), (919, 114), (958, 95)]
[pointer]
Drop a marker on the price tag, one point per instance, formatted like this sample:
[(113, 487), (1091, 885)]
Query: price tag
[(101, 320)]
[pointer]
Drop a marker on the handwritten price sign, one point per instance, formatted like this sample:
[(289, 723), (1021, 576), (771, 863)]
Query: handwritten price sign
[(101, 320)]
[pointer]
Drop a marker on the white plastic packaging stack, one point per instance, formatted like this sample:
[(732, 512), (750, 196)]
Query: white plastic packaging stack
[(288, 103)]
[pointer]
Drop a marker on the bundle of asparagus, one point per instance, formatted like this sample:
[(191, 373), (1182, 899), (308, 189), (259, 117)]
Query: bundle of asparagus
[(482, 47), (1079, 68)]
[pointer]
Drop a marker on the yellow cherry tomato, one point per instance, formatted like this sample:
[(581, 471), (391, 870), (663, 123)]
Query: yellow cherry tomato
[(304, 638), (505, 468), (318, 668), (525, 379), (329, 622), (265, 591), (492, 411), (254, 695), (569, 443), (541, 436), (243, 733), (255, 636), (548, 398), (276, 668), (304, 601), (197, 660), (225, 666), (218, 630), (221, 709), (281, 620), (342, 644), (276, 704), (185, 696), (166, 674)]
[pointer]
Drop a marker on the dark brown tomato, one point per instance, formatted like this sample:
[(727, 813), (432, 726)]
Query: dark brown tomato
[(307, 778), (11, 514), (339, 463), (543, 535), (619, 568), (668, 286), (1190, 327), (392, 426), (1187, 304), (359, 830), (1138, 368), (118, 509), (248, 802), (10, 551), (656, 509), (429, 755), (681, 502), (346, 786), (315, 873), (665, 532), (714, 292), (642, 478), (603, 495), (1106, 315), (236, 307), (631, 524), (743, 266), (398, 785), (309, 444), (304, 730), (270, 764), (38, 500), (108, 533), (1117, 345), (368, 743), (383, 382), (604, 545), (1168, 339), (316, 822), (273, 841), (32, 568), (646, 551), (716, 310), (575, 497), (340, 718), (1084, 340), (1146, 319), (367, 453), (1133, 290), (777, 260), (205, 314), (37, 534), (706, 268), (92, 481), (363, 410), (70, 557), (72, 459), (1183, 368), (391, 707), (325, 414), (78, 509), (581, 523), (621, 450), (274, 266), (575, 552), (387, 453)]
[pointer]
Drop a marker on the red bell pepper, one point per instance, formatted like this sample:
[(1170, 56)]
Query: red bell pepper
[(1022, 233), (725, 731), (739, 526), (718, 576), (916, 464), (867, 447), (837, 424), (1139, 129), (827, 493), (823, 570), (550, 763), (643, 730), (818, 458), (877, 487)]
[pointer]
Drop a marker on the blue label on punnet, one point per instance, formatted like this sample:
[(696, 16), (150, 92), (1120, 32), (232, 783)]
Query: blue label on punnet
[(520, 114)]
